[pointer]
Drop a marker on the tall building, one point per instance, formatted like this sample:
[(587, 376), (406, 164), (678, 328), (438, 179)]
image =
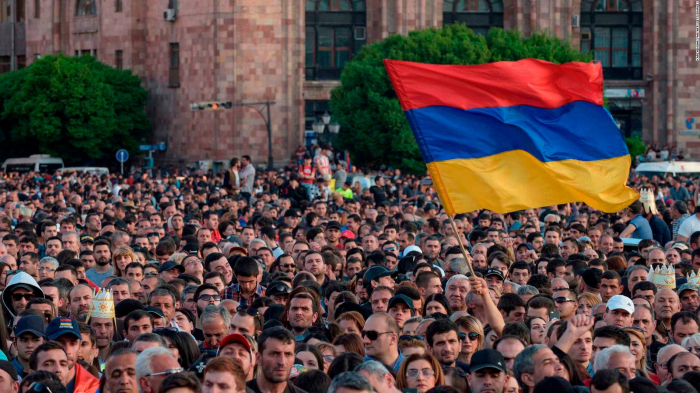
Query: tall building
[(292, 52)]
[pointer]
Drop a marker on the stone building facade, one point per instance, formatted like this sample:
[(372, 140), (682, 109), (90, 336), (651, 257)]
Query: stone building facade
[(291, 52)]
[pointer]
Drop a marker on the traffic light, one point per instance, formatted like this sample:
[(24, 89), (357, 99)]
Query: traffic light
[(210, 106)]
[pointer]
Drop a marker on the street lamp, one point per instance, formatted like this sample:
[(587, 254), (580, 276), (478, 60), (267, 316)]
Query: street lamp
[(319, 126)]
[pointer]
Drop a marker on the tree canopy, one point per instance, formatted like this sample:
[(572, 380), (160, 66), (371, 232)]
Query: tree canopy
[(374, 128), (75, 108)]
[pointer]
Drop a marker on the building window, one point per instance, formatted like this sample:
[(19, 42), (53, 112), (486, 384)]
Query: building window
[(119, 60), (37, 9), (5, 64), (86, 52), (612, 31), (5, 11), (174, 77), (19, 14), (118, 6), (478, 15), (21, 62), (335, 32), (86, 8)]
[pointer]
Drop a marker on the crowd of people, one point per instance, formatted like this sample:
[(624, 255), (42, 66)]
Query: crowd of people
[(316, 279)]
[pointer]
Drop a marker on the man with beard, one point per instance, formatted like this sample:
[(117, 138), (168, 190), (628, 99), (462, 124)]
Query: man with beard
[(275, 357), (313, 263), (487, 372), (103, 267), (302, 315), (443, 341), (101, 318), (79, 302)]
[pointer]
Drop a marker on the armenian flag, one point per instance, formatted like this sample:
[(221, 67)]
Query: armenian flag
[(508, 136)]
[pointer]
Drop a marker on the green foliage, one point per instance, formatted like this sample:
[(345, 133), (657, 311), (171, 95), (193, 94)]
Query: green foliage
[(374, 128), (71, 107), (636, 146)]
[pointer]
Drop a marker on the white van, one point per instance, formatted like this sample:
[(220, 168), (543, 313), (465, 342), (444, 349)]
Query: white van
[(42, 163), (92, 170), (673, 168)]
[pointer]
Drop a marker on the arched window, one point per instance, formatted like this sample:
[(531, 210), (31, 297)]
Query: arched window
[(612, 30), (86, 7), (335, 31), (478, 15)]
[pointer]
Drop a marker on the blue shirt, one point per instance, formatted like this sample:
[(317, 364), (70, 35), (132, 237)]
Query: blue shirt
[(397, 365), (642, 228)]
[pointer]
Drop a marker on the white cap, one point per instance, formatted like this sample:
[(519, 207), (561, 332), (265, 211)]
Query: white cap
[(412, 248), (619, 302)]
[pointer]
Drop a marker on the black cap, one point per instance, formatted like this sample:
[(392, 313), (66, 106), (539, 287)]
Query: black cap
[(30, 324), (9, 368), (642, 385), (170, 265), (487, 358), (592, 277), (277, 288), (401, 299), (554, 384), (155, 311), (62, 326), (494, 272), (333, 224), (374, 273), (126, 306), (87, 239), (201, 363), (292, 213), (350, 306)]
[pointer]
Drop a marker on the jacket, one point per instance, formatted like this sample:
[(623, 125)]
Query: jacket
[(23, 280)]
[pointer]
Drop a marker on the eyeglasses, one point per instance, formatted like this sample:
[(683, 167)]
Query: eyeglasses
[(427, 372), (408, 337), (287, 265), (373, 334), (166, 372), (19, 296), (207, 298), (193, 262), (329, 358), (471, 336), (563, 300), (250, 311)]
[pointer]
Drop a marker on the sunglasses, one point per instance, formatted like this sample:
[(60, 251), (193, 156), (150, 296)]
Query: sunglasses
[(373, 334), (408, 337), (563, 300), (253, 312), (166, 372), (287, 265), (471, 336), (207, 298), (280, 288), (19, 296)]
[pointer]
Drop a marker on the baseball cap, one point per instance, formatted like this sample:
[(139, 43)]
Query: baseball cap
[(292, 213), (62, 326), (333, 224), (126, 306), (170, 265), (554, 384), (528, 245), (9, 368), (157, 312), (689, 286), (620, 302), (87, 239), (277, 288), (487, 358), (30, 324), (376, 272), (401, 299), (495, 272), (234, 338)]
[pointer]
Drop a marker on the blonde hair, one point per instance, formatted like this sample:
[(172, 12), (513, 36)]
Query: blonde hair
[(178, 257), (592, 299), (642, 366), (122, 251), (473, 325), (402, 380)]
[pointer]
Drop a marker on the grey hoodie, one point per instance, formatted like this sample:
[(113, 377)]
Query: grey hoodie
[(23, 280)]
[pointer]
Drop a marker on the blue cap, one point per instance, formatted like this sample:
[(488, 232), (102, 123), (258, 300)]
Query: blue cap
[(62, 326), (30, 324)]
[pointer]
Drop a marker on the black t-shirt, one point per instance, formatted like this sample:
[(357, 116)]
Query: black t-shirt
[(379, 194), (252, 386)]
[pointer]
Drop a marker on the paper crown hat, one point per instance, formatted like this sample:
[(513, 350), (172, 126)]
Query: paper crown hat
[(693, 278), (646, 196), (663, 277), (102, 305)]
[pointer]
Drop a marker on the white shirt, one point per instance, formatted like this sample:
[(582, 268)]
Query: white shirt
[(689, 226)]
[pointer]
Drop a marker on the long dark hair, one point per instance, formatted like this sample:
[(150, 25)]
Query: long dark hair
[(440, 298), (185, 344)]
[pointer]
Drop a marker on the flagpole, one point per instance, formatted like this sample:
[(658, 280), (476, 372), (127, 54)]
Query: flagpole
[(461, 246)]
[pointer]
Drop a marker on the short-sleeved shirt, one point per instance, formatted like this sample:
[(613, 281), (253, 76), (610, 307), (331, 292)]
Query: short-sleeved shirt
[(642, 228), (689, 226)]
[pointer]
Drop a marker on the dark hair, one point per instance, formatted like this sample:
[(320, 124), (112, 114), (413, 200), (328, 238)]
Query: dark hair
[(313, 381), (277, 333), (539, 301), (245, 267), (345, 362), (603, 379), (685, 317), (45, 347), (693, 377), (620, 336), (440, 298), (644, 286), (680, 386), (517, 329), (135, 316), (509, 302), (40, 376), (440, 326), (301, 347), (185, 344), (181, 380)]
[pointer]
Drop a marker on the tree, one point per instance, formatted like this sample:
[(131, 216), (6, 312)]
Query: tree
[(374, 128), (71, 107)]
